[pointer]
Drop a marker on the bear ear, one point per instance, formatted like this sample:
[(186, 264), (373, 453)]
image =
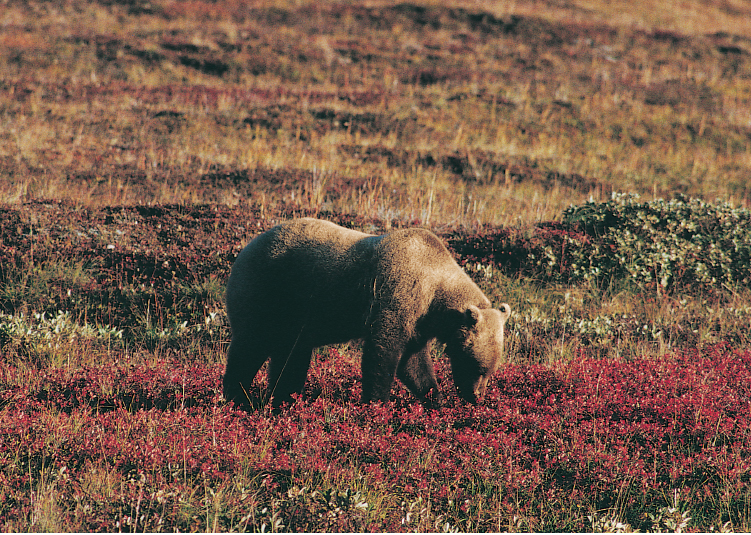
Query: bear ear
[(505, 311), (472, 316)]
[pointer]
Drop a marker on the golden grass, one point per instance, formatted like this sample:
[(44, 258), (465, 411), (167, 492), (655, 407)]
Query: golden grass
[(109, 104)]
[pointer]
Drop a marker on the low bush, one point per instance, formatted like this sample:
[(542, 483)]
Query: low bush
[(667, 246)]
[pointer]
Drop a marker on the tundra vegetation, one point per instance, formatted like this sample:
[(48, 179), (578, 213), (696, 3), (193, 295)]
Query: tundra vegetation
[(586, 162)]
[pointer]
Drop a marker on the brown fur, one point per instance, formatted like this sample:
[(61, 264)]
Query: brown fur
[(307, 283)]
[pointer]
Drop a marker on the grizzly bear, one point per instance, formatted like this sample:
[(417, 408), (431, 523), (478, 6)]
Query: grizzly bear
[(307, 283)]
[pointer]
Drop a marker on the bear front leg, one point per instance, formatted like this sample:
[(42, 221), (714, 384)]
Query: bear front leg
[(378, 370), (243, 362), (417, 373)]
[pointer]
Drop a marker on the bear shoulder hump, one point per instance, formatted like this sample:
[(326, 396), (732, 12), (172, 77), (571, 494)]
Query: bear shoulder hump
[(417, 238), (414, 250)]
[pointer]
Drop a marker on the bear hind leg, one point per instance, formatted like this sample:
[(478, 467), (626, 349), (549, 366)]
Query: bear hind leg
[(243, 363), (287, 374)]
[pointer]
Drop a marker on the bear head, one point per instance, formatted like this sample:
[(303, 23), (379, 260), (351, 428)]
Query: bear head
[(475, 349)]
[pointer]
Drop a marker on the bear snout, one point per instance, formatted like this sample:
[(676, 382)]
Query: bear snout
[(469, 397), (474, 392)]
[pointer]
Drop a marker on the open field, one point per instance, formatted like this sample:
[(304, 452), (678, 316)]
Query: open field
[(451, 113), (143, 143)]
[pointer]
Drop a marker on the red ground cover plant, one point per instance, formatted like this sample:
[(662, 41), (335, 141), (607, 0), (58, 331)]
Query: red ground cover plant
[(132, 434), (154, 448)]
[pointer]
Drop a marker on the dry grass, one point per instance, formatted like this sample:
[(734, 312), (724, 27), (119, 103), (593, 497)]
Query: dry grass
[(500, 113)]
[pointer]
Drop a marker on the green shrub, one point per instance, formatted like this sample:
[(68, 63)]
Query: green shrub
[(669, 244), (681, 245)]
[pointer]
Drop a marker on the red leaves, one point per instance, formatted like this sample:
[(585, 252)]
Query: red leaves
[(582, 429)]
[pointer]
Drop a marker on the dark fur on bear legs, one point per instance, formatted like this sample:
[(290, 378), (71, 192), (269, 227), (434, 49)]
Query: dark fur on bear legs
[(242, 366)]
